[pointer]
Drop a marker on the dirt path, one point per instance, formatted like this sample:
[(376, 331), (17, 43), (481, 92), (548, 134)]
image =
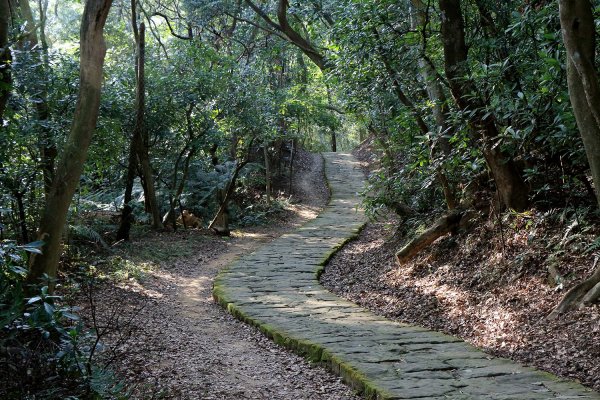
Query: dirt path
[(184, 346)]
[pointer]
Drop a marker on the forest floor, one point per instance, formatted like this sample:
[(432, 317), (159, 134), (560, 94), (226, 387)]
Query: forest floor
[(168, 338), (488, 286)]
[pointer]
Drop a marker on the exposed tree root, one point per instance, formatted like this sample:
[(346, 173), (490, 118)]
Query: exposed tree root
[(584, 293), (448, 223), (591, 296)]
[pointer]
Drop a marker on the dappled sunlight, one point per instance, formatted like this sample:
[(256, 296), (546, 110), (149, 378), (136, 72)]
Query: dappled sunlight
[(251, 235), (494, 323), (303, 212), (372, 246), (192, 289)]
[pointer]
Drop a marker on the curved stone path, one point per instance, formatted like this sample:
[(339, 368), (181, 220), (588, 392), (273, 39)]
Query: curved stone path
[(276, 289)]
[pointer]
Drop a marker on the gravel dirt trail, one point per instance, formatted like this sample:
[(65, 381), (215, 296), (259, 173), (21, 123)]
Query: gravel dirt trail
[(184, 346)]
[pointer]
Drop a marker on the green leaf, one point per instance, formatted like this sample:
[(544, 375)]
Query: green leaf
[(33, 247), (34, 299), (70, 316), (49, 308)]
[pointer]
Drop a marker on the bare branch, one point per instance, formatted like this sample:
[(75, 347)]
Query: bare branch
[(178, 36)]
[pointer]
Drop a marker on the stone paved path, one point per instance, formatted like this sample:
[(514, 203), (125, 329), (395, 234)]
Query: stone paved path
[(276, 289)]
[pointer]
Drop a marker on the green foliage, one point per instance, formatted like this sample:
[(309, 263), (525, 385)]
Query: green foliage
[(43, 341)]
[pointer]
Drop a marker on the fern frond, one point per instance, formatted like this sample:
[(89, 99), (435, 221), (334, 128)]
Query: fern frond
[(83, 232)]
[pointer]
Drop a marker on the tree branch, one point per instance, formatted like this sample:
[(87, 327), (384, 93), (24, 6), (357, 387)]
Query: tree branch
[(178, 36)]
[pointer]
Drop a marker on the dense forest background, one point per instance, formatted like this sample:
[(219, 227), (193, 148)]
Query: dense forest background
[(479, 109)]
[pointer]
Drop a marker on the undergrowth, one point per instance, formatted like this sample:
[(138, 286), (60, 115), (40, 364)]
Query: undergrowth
[(46, 352)]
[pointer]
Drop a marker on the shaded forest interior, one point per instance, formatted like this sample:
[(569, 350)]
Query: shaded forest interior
[(129, 118)]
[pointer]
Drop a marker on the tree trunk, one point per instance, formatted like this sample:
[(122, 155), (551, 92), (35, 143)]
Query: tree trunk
[(580, 294), (191, 149), (510, 185), (447, 223), (333, 141), (267, 173), (22, 216), (47, 146), (72, 158), (296, 38), (439, 143), (127, 212), (292, 154), (220, 222), (578, 29), (417, 115), (5, 58), (179, 191), (289, 33), (140, 133)]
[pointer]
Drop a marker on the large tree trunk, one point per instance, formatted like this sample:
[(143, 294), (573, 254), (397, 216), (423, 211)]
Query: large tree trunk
[(513, 190), (72, 158), (578, 29)]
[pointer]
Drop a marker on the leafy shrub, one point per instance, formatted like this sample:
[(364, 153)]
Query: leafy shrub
[(45, 350)]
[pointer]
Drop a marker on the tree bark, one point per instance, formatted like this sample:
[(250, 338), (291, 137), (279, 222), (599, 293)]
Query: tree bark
[(447, 223), (72, 158), (140, 133), (513, 190), (584, 291), (18, 195), (179, 191), (221, 226), (292, 155), (417, 115), (578, 30), (190, 148), (333, 141), (47, 146), (127, 211), (439, 144), (289, 33), (5, 57), (267, 173)]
